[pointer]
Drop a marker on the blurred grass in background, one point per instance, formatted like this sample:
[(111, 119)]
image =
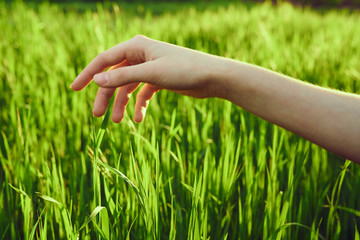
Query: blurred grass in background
[(313, 3), (193, 169)]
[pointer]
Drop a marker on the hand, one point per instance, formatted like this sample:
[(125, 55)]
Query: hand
[(157, 64), (323, 116)]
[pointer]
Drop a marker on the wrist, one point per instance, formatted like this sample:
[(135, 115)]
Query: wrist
[(225, 77)]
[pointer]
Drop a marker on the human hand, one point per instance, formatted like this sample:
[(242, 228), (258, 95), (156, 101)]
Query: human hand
[(157, 64)]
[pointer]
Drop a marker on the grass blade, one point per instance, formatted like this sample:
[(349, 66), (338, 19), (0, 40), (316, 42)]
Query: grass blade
[(92, 215), (287, 225)]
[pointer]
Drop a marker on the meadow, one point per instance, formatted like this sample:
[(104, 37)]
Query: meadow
[(194, 169)]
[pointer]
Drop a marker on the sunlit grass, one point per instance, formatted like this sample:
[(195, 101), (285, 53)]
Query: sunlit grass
[(194, 169)]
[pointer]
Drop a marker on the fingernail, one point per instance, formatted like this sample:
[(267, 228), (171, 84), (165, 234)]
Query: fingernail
[(101, 78)]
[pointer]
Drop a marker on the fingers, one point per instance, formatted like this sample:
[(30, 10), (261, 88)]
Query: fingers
[(121, 101), (144, 72), (101, 102), (102, 61), (131, 50), (142, 101), (103, 95)]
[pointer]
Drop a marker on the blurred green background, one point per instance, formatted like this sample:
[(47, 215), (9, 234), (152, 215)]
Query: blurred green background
[(194, 169), (314, 3)]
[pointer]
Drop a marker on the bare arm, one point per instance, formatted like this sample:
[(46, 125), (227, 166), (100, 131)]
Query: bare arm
[(326, 117)]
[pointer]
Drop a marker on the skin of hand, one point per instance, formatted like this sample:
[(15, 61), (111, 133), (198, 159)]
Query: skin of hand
[(159, 65), (325, 117)]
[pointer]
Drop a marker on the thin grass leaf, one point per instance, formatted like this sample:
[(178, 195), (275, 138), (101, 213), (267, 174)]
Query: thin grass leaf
[(19, 191), (350, 210), (129, 230), (103, 126), (120, 174), (49, 199), (92, 215), (6, 146), (357, 236), (32, 233), (5, 231), (287, 225), (100, 231), (64, 214)]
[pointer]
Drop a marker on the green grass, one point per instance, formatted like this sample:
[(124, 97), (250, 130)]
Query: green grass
[(194, 169)]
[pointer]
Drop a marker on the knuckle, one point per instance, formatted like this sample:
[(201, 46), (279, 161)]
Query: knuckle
[(107, 92), (139, 37)]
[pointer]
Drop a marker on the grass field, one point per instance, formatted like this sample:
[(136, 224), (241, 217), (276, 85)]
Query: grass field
[(194, 169)]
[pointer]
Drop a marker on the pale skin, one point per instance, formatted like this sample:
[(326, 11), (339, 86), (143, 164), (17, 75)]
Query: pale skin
[(328, 118)]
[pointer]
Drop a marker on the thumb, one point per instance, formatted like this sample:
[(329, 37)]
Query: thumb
[(121, 76)]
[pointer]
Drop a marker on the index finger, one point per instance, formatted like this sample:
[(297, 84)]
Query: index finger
[(102, 61)]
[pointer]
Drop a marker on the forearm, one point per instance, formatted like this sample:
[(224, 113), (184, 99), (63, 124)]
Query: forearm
[(328, 118)]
